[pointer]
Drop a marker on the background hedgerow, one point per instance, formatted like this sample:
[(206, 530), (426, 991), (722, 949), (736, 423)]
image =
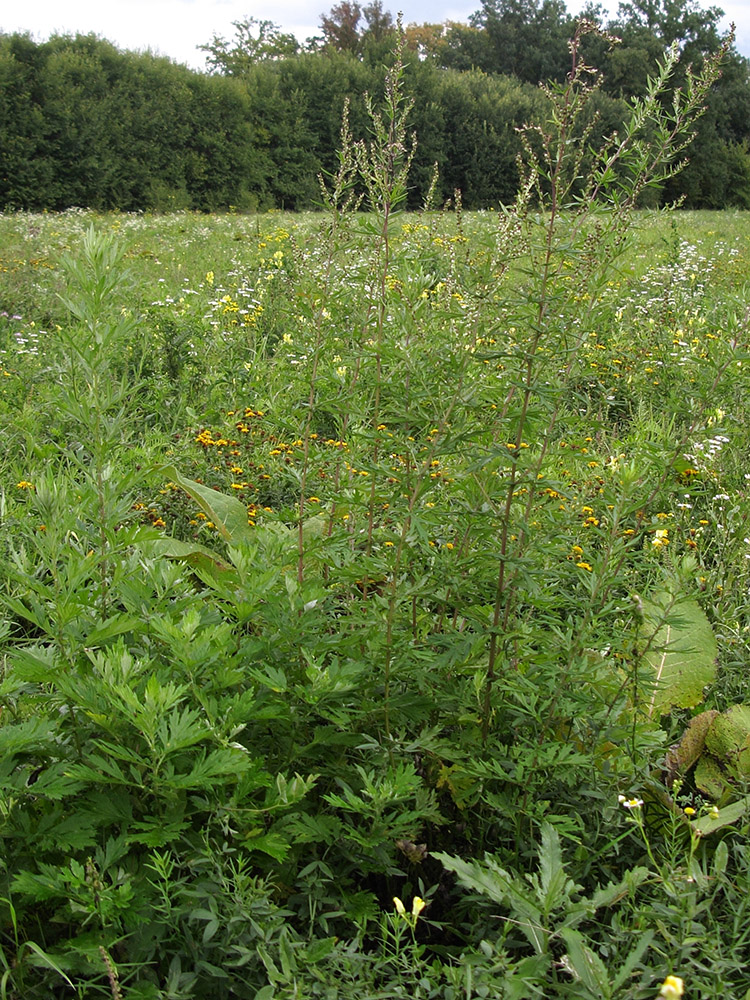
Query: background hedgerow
[(371, 555)]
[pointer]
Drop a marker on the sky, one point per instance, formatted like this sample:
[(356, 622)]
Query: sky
[(175, 28)]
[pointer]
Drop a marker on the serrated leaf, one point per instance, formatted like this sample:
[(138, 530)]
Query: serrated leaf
[(553, 884), (218, 764), (584, 964), (272, 844), (491, 880), (635, 956), (681, 650)]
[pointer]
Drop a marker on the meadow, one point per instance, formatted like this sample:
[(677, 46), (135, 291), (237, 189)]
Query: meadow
[(374, 595)]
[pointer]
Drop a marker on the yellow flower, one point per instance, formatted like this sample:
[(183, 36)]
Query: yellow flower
[(25, 485), (400, 908), (417, 905), (661, 538), (672, 988)]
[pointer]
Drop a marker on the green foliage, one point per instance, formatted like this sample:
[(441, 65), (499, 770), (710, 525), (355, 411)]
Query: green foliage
[(317, 578), (681, 650), (84, 124)]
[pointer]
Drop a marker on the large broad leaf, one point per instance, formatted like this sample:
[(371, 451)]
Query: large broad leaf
[(204, 562), (681, 650), (228, 513), (725, 817)]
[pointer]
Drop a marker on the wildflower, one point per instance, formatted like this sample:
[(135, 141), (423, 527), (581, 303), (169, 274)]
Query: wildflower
[(689, 811), (400, 908), (672, 988), (159, 522), (585, 565), (629, 803), (417, 905), (713, 812), (661, 538), (25, 485)]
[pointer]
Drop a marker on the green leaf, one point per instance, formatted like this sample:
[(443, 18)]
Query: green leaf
[(491, 880), (686, 752), (682, 651), (200, 557), (584, 965), (635, 956), (727, 816), (43, 959), (709, 778), (553, 886), (227, 513), (218, 764), (728, 739)]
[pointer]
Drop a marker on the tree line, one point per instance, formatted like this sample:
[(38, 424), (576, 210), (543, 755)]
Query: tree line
[(83, 123)]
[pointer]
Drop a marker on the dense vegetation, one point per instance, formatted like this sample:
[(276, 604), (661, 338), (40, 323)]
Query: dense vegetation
[(83, 124), (374, 589)]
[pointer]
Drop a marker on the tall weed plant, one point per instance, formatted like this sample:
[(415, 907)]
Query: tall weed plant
[(379, 665)]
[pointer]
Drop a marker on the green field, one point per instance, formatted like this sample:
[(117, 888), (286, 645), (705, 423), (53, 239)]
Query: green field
[(337, 569), (374, 590)]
